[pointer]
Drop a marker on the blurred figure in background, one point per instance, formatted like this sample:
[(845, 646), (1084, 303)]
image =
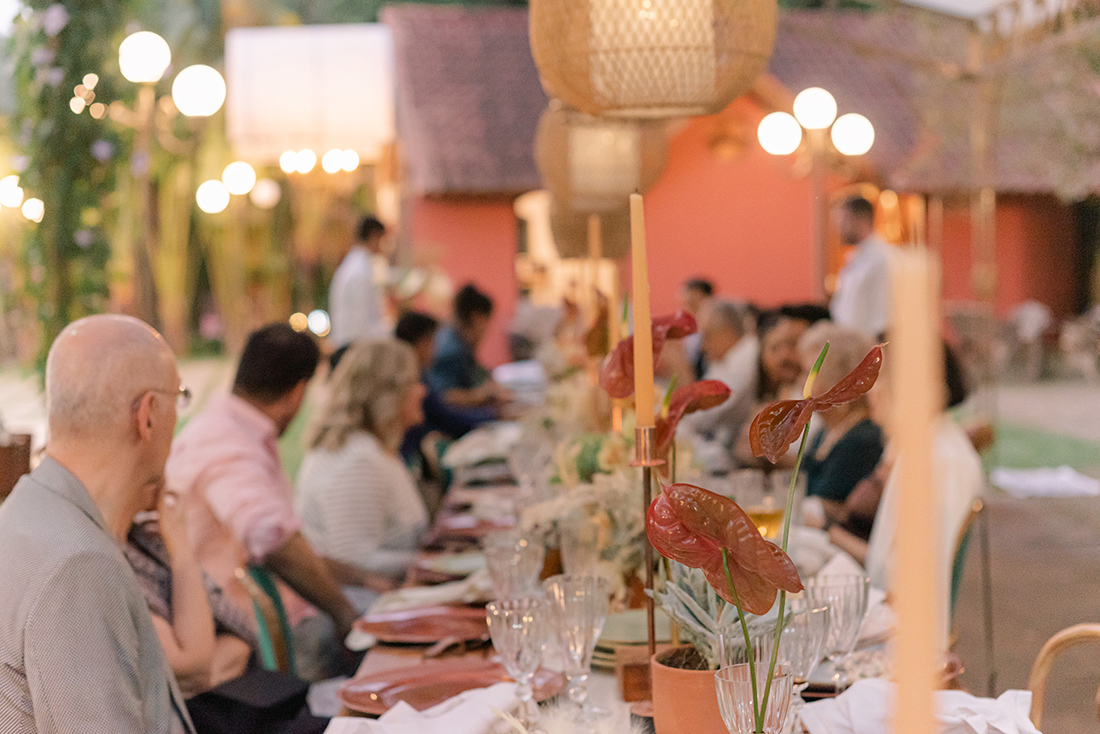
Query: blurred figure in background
[(696, 298), (455, 373), (355, 301), (862, 297)]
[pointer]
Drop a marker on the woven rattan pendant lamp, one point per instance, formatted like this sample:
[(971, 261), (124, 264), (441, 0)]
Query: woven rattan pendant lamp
[(593, 164), (650, 58)]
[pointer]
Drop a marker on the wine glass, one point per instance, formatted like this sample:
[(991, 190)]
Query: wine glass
[(580, 551), (578, 609), (846, 597), (514, 561), (518, 628), (735, 700)]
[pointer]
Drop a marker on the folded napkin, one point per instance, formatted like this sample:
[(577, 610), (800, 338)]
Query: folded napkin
[(492, 441), (477, 587), (866, 708), (810, 550), (1047, 482), (471, 712)]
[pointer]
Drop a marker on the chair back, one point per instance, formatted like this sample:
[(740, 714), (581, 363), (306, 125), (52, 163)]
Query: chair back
[(1044, 661), (273, 626), (962, 544)]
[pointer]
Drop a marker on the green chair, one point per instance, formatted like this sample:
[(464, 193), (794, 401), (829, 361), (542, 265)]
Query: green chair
[(273, 627)]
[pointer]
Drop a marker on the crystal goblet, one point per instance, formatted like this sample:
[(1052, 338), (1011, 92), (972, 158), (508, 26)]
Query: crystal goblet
[(578, 609), (519, 628)]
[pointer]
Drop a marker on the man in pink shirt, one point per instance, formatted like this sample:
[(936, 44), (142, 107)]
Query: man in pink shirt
[(239, 501)]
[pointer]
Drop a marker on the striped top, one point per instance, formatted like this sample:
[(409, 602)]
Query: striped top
[(361, 506)]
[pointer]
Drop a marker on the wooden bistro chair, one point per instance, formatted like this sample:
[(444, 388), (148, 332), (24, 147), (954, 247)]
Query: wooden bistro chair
[(272, 625), (1055, 646)]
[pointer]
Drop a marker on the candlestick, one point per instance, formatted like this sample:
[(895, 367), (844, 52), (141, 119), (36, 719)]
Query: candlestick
[(643, 332), (915, 365)]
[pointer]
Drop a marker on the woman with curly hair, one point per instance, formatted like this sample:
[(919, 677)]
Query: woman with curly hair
[(359, 505)]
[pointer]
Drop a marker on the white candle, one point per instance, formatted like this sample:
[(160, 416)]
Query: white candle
[(915, 364)]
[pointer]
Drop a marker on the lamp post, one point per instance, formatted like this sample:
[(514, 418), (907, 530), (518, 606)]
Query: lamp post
[(815, 121), (197, 91)]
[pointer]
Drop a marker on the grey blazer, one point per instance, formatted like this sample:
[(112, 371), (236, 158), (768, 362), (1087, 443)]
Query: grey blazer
[(78, 651)]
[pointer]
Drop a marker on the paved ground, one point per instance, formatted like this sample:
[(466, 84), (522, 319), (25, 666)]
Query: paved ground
[(1045, 553)]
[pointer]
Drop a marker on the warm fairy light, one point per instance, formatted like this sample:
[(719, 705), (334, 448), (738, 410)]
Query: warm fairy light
[(90, 80), (350, 160), (239, 177), (266, 193), (76, 104), (815, 108), (319, 322), (288, 161), (34, 209), (853, 134), (779, 134), (11, 195), (98, 110), (198, 91), (305, 161), (143, 57), (212, 196), (333, 161), (299, 321)]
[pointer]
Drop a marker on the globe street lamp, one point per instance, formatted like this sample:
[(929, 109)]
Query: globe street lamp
[(197, 91), (815, 121)]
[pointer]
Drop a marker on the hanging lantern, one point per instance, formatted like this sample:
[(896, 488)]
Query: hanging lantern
[(570, 231), (651, 58), (592, 165)]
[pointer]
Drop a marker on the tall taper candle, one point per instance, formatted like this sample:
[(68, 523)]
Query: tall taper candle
[(915, 365), (643, 331)]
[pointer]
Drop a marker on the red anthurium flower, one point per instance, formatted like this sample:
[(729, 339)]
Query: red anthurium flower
[(700, 395), (776, 427), (617, 374), (692, 526)]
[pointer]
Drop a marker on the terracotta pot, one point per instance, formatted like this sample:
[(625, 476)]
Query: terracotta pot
[(684, 701)]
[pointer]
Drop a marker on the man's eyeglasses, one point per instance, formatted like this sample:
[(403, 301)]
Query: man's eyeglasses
[(183, 395)]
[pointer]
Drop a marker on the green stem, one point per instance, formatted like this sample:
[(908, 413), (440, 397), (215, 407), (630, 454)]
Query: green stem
[(756, 710)]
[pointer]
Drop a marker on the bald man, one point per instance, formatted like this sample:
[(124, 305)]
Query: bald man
[(78, 651)]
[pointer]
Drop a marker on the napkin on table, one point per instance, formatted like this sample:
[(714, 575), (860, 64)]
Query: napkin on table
[(471, 712), (866, 708), (476, 587)]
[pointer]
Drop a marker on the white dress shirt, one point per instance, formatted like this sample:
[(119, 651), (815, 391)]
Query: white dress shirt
[(714, 431), (957, 482), (862, 297), (354, 303)]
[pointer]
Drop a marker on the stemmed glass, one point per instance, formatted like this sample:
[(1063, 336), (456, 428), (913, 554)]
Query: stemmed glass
[(514, 562), (518, 628), (735, 700), (846, 597), (578, 609)]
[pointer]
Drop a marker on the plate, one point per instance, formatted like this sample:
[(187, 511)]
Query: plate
[(453, 564), (425, 625), (630, 628), (433, 682)]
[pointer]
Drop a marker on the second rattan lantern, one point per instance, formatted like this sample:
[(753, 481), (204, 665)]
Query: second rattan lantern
[(651, 58), (592, 165)]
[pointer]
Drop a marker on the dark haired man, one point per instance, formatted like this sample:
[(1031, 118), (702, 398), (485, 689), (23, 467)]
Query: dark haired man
[(239, 502), (455, 372), (354, 301), (696, 297), (862, 297)]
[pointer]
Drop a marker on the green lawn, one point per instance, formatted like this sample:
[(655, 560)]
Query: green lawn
[(1020, 447)]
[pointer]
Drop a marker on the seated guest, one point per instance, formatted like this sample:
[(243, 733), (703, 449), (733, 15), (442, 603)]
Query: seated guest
[(359, 505), (240, 508), (455, 372), (696, 298), (78, 649), (957, 482), (731, 352), (849, 444), (418, 330), (778, 367)]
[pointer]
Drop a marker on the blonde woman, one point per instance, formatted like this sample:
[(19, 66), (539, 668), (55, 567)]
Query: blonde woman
[(359, 505)]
